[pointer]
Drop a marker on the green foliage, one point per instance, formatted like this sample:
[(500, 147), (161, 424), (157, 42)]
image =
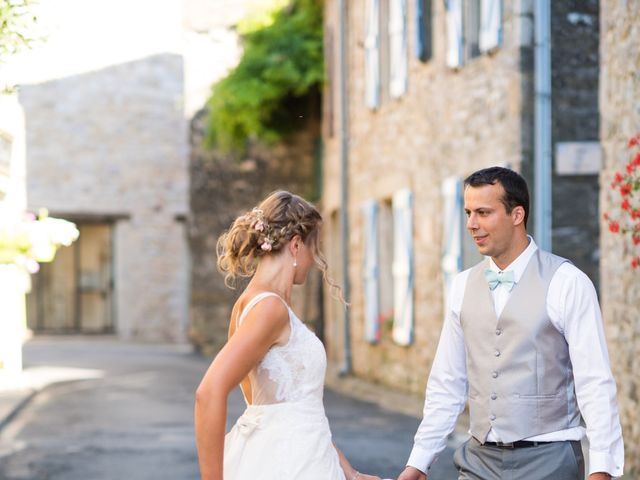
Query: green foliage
[(281, 68), (15, 22)]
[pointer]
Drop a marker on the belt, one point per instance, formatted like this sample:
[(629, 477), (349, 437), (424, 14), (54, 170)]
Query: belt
[(518, 444)]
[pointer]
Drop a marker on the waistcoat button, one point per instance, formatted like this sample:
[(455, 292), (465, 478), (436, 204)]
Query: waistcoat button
[(497, 354), (494, 374), (498, 331), (493, 396), (492, 417)]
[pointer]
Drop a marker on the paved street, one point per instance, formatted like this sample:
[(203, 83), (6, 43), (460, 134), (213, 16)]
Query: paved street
[(133, 420)]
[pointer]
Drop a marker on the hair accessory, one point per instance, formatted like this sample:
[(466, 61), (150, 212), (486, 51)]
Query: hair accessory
[(259, 224)]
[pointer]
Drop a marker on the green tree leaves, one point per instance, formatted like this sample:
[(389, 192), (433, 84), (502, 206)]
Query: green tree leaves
[(281, 68)]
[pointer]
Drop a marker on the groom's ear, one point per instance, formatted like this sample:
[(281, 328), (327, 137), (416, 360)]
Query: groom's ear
[(517, 214)]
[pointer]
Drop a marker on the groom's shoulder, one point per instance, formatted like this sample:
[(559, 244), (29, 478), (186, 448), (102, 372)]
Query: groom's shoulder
[(566, 270)]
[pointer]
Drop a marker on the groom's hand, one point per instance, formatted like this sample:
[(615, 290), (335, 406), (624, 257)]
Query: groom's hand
[(411, 473)]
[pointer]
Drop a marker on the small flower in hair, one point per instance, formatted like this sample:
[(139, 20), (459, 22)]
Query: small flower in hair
[(266, 245), (259, 226)]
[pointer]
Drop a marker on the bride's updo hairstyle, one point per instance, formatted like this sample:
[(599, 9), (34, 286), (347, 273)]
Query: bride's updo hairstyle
[(265, 230)]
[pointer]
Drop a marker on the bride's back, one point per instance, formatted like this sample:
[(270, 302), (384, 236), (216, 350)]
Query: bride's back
[(291, 372)]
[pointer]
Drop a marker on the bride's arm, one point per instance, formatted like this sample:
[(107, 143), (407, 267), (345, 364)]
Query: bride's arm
[(264, 326), (351, 473)]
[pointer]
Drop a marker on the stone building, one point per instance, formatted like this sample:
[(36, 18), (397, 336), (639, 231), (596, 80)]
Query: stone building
[(106, 147), (620, 286), (434, 91)]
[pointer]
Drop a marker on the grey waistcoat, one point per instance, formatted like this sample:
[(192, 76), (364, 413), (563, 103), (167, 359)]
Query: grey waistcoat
[(518, 366)]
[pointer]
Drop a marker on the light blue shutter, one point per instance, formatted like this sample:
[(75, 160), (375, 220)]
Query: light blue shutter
[(452, 231), (490, 25), (398, 47), (371, 272), (454, 33), (372, 54), (402, 267)]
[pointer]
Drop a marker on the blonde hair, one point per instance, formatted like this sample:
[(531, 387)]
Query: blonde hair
[(265, 230)]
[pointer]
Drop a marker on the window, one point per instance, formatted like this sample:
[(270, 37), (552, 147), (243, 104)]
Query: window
[(385, 249), (473, 27), (371, 271), (424, 30)]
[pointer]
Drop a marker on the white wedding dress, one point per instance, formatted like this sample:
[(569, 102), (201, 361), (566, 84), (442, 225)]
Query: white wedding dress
[(284, 434)]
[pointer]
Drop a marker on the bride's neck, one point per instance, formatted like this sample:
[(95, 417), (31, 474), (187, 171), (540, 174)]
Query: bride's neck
[(272, 275)]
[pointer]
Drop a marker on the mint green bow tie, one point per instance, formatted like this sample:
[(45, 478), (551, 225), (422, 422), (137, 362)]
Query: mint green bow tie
[(494, 278)]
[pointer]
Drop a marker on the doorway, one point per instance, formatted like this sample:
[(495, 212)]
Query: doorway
[(74, 293)]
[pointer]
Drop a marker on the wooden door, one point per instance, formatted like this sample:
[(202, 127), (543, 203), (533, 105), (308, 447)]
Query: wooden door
[(74, 293)]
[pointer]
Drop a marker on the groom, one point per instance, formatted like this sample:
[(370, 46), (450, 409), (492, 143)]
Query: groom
[(523, 340)]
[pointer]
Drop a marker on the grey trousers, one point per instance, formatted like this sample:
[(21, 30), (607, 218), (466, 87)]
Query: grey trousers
[(549, 461)]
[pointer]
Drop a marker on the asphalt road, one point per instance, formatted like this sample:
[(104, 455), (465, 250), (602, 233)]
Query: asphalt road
[(135, 422)]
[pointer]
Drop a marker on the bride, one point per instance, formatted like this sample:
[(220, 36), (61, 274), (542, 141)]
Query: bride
[(278, 362)]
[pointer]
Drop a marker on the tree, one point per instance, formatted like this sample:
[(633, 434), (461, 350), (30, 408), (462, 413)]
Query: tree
[(279, 74), (16, 20)]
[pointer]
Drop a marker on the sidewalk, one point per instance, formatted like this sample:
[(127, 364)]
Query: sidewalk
[(17, 391)]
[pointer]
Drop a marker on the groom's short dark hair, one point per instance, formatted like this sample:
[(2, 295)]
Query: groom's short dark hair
[(516, 192)]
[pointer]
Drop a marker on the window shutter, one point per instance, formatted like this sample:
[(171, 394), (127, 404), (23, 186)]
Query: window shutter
[(372, 54), (371, 272), (454, 33), (398, 47), (452, 231), (402, 267), (490, 25)]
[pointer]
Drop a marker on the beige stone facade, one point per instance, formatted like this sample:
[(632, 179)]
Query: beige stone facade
[(106, 143), (620, 119), (450, 122)]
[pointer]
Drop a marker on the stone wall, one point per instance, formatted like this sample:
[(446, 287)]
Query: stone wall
[(620, 119), (223, 187), (574, 102), (450, 122)]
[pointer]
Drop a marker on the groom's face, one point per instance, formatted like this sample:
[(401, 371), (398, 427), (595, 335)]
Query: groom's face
[(488, 222)]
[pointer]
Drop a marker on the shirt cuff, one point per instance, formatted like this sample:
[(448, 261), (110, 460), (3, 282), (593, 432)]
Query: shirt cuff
[(421, 459), (605, 462)]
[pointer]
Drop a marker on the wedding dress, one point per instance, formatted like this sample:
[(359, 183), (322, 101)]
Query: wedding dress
[(284, 434)]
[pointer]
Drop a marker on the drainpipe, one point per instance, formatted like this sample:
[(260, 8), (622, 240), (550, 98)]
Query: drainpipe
[(344, 184), (542, 131)]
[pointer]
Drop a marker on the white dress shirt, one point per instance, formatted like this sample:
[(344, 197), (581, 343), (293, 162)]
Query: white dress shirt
[(572, 306)]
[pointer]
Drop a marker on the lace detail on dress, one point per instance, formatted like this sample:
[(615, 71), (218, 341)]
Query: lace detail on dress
[(290, 372), (298, 368)]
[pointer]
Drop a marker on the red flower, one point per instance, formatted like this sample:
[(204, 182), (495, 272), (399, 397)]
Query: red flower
[(634, 263), (636, 240), (635, 214), (630, 168), (625, 189), (605, 215), (625, 205), (618, 178), (633, 142), (636, 160), (614, 226)]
